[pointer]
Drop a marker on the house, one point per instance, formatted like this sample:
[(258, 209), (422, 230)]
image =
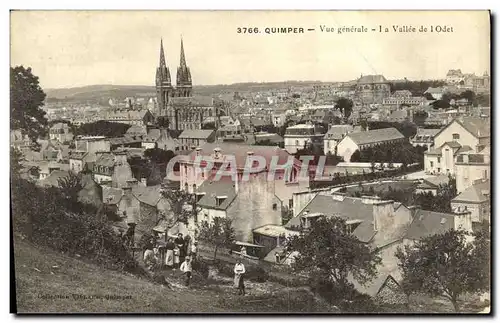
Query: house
[(124, 142), (431, 184), (263, 194), (475, 199), (131, 117), (436, 92), (365, 139), (459, 136), (424, 137), (334, 135), (190, 139), (112, 169), (53, 177), (471, 166), (78, 160), (279, 118), (372, 88), (52, 150), (159, 138), (60, 132), (302, 136)]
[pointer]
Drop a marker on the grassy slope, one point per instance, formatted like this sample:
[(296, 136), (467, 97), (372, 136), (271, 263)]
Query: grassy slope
[(75, 276)]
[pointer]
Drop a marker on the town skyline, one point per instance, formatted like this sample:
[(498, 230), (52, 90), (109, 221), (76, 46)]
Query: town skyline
[(124, 47)]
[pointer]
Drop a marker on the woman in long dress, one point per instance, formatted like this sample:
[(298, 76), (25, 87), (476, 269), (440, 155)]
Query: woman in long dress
[(169, 257), (239, 273), (176, 257)]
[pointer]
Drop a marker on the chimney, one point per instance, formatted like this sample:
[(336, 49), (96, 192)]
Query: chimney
[(126, 190), (383, 215), (131, 183), (120, 158), (144, 181)]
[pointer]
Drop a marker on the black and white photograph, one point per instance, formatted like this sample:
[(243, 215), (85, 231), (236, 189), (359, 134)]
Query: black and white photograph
[(276, 162)]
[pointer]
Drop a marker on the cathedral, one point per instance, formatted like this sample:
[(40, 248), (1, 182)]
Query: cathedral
[(183, 110)]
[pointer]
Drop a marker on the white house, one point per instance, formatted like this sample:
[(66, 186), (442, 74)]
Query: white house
[(300, 136)]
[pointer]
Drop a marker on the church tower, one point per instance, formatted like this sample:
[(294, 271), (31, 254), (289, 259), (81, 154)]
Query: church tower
[(164, 89), (184, 86)]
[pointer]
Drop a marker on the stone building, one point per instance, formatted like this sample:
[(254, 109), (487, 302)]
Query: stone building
[(372, 89)]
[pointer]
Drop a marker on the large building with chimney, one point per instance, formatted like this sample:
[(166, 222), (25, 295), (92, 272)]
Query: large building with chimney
[(177, 103)]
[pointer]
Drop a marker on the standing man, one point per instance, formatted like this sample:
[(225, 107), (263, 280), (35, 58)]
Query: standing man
[(187, 268), (179, 242), (194, 250), (239, 272)]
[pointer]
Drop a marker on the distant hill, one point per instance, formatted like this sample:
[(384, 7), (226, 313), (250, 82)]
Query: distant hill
[(98, 93)]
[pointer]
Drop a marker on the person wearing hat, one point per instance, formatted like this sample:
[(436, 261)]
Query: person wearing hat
[(187, 268)]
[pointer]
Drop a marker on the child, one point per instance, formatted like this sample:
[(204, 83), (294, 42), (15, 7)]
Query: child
[(187, 268)]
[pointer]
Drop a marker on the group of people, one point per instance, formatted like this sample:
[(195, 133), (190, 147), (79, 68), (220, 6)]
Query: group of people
[(171, 253)]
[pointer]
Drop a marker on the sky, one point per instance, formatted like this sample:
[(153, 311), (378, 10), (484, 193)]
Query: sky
[(78, 48)]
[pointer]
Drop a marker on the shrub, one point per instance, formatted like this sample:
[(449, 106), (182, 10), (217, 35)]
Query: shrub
[(46, 218), (202, 267)]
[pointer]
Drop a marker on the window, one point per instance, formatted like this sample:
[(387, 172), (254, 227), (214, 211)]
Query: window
[(485, 174), (290, 203), (432, 164), (296, 142), (456, 136), (275, 206), (439, 170), (439, 160)]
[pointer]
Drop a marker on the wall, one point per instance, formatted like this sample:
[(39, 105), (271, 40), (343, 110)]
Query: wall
[(463, 221), (466, 138), (253, 206), (346, 148), (467, 174), (390, 223), (329, 145), (208, 214), (293, 143), (435, 165), (301, 199), (76, 165), (148, 145), (99, 178), (479, 211)]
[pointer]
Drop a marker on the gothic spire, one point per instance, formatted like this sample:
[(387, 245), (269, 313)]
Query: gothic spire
[(162, 55), (183, 58)]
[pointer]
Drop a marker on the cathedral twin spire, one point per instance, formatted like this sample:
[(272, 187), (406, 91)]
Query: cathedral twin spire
[(183, 72)]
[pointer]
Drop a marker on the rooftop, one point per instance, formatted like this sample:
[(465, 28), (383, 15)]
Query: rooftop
[(373, 136)]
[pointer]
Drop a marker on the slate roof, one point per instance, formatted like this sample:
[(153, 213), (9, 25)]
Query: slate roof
[(53, 178), (127, 140), (350, 209), (434, 90), (194, 101), (426, 223), (373, 136), (479, 127), (77, 154), (452, 144), (369, 79), (147, 194), (464, 149), (240, 152), (271, 230), (213, 189), (106, 159), (136, 130), (433, 151), (337, 132), (474, 193), (196, 134)]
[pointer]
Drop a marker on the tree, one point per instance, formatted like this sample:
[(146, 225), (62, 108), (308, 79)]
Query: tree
[(209, 126), (328, 250), (344, 105), (219, 233), (70, 186), (163, 122), (26, 101), (182, 206), (16, 157), (158, 155), (356, 156), (102, 128), (442, 265)]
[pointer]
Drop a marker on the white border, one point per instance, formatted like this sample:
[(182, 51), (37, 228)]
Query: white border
[(190, 4)]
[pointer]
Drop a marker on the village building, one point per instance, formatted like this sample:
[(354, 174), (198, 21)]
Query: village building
[(471, 166), (475, 199), (365, 139), (60, 132), (424, 137), (459, 136), (55, 151), (432, 184), (372, 89), (190, 139), (159, 138), (131, 117), (302, 136), (334, 135)]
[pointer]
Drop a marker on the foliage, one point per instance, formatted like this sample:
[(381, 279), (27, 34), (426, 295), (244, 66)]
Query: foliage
[(327, 250), (419, 117), (163, 122), (182, 206), (102, 128), (219, 233), (43, 217), (443, 265), (390, 153), (209, 126), (441, 202), (417, 88), (70, 186), (16, 157), (159, 156), (26, 101), (344, 105)]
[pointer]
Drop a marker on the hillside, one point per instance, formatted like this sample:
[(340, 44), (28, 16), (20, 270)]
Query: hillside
[(41, 273)]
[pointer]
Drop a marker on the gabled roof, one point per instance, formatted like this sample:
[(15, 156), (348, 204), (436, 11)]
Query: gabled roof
[(337, 132), (451, 144), (53, 178), (349, 208), (478, 127), (106, 159), (75, 154), (212, 189), (433, 151), (196, 134), (147, 194), (373, 136), (426, 223), (369, 79), (474, 194)]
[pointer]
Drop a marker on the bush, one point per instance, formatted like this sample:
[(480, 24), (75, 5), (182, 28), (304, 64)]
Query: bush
[(46, 218), (257, 274), (201, 266)]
